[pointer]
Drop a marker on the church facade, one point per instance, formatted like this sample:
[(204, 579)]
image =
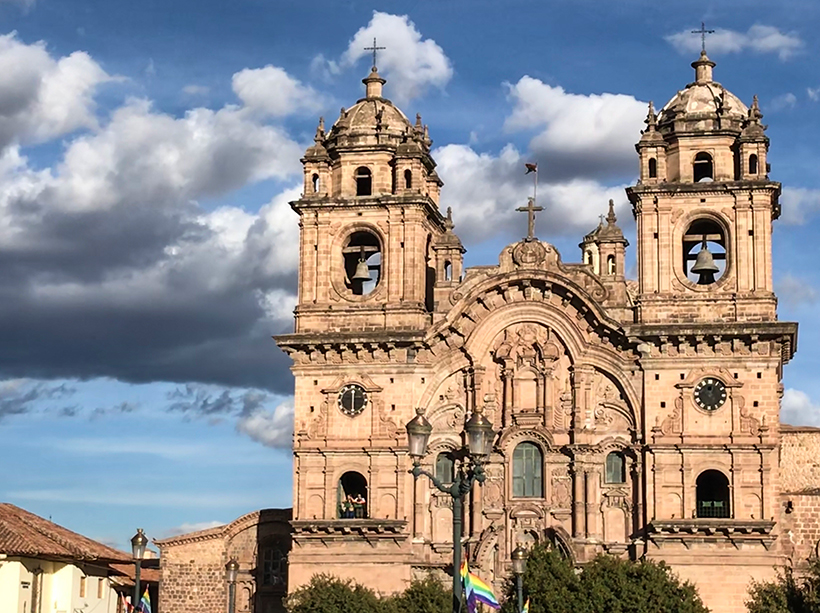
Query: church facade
[(635, 418)]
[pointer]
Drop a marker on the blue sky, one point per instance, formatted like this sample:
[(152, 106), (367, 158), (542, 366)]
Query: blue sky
[(147, 252)]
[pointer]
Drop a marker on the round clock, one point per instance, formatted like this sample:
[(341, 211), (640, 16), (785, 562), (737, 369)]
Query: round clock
[(710, 394), (352, 399)]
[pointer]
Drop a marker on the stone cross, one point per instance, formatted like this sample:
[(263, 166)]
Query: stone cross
[(703, 32), (530, 210), (374, 48)]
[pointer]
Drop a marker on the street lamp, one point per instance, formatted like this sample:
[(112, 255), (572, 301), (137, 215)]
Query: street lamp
[(478, 431), (231, 569), (519, 567), (138, 543)]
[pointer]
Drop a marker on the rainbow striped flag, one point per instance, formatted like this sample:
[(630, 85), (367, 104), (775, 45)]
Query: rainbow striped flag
[(145, 602), (476, 590), (526, 608)]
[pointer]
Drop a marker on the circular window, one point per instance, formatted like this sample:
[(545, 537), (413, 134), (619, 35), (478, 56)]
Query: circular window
[(352, 399), (362, 262), (710, 394), (704, 252)]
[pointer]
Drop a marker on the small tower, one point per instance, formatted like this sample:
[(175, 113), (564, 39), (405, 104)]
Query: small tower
[(652, 151), (449, 254)]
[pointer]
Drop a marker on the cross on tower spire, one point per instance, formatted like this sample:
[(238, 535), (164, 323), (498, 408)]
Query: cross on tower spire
[(530, 210), (374, 49), (703, 32)]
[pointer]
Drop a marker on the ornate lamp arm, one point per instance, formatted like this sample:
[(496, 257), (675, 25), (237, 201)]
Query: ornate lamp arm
[(417, 471)]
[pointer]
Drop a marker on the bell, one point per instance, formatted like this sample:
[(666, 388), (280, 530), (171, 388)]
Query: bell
[(705, 266), (362, 272)]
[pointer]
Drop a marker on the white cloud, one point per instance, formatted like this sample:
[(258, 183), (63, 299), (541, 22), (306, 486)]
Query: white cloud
[(271, 427), (813, 93), (192, 527), (484, 190), (412, 64), (784, 101), (798, 204), (795, 291), (41, 97), (759, 39), (196, 90), (273, 91), (578, 135), (798, 409)]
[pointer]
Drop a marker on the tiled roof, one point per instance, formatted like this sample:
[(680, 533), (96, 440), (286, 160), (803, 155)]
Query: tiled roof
[(26, 534), (147, 575)]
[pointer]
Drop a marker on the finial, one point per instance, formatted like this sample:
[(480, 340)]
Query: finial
[(703, 32), (651, 118), (374, 48), (419, 127), (754, 111), (420, 411), (448, 222), (343, 112), (320, 131), (610, 218)]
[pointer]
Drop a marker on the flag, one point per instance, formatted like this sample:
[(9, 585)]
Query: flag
[(145, 603), (476, 590), (531, 168), (526, 608)]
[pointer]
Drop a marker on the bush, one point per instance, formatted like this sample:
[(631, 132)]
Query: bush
[(788, 593), (427, 595), (549, 581), (328, 594)]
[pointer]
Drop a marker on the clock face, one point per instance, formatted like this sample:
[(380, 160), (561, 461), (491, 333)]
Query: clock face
[(352, 399), (710, 394)]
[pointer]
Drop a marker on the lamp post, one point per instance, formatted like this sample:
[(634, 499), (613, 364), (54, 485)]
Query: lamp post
[(231, 569), (138, 543), (478, 431), (519, 567)]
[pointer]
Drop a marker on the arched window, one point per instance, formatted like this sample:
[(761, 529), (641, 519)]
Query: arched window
[(713, 494), (448, 271), (445, 469), (528, 463), (364, 181), (610, 264), (653, 168), (703, 169), (408, 179), (615, 468), (352, 496), (753, 164), (315, 181), (588, 257)]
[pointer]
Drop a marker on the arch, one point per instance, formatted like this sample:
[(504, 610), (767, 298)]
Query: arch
[(445, 467), (314, 180), (537, 435), (704, 232), (703, 167), (712, 495), (653, 168), (753, 164), (408, 179), (610, 264), (362, 252), (352, 496), (527, 471), (364, 181), (448, 270), (615, 468)]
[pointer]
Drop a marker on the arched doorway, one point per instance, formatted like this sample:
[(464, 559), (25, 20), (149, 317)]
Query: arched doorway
[(352, 496), (713, 495)]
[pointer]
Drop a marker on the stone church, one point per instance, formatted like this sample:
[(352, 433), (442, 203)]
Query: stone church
[(638, 418)]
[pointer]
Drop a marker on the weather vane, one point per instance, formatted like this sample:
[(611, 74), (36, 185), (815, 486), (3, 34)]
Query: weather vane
[(703, 32), (374, 48)]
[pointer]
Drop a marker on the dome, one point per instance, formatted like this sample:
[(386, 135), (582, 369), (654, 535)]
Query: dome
[(374, 120), (703, 105)]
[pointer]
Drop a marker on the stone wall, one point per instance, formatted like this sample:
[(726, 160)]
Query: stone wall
[(800, 492)]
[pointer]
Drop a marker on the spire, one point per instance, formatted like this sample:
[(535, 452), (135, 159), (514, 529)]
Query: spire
[(448, 222), (320, 131), (754, 111), (610, 217), (703, 68), (651, 120)]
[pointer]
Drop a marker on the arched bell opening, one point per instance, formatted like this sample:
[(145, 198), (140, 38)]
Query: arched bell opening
[(653, 168), (712, 493), (703, 168), (352, 496), (753, 164), (408, 179), (364, 181), (704, 252), (363, 262), (314, 181)]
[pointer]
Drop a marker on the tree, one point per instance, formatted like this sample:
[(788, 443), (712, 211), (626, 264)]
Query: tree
[(789, 592), (614, 585), (550, 583), (328, 594), (426, 595)]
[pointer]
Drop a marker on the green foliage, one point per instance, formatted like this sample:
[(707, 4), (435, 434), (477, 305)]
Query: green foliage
[(605, 585), (549, 581), (614, 585), (427, 595), (328, 594), (788, 593)]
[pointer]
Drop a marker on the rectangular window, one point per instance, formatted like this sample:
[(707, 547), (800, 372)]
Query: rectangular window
[(82, 587)]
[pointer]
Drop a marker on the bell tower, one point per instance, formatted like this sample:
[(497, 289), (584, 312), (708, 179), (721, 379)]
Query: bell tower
[(704, 206), (369, 218)]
